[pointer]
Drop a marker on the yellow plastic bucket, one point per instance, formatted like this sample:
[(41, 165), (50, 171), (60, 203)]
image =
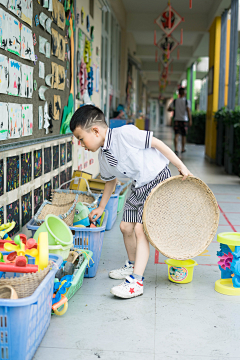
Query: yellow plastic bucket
[(180, 271)]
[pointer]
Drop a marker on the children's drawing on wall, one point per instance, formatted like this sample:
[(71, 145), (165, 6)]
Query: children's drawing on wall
[(38, 199), (47, 190), (27, 81), (27, 119), (26, 208), (56, 107), (55, 11), (15, 7), (97, 79), (37, 163), (1, 177), (55, 42), (4, 3), (47, 160), (3, 121), (40, 117), (14, 78), (56, 182), (61, 47), (3, 74), (48, 50), (69, 173), (41, 70), (55, 75), (12, 173), (3, 29), (27, 48), (14, 37), (42, 43), (27, 11), (55, 157), (69, 151), (61, 77), (61, 16), (63, 154), (26, 168), (63, 179), (14, 120), (1, 215), (13, 215)]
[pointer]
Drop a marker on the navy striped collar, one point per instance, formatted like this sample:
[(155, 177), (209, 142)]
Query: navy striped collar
[(108, 140)]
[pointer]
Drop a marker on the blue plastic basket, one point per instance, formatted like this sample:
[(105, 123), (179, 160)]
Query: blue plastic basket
[(115, 123), (85, 238), (24, 322), (112, 207)]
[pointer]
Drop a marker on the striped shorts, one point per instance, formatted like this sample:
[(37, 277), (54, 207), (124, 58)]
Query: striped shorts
[(133, 209)]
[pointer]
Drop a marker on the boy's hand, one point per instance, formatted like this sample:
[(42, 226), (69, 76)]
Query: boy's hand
[(184, 171), (98, 212)]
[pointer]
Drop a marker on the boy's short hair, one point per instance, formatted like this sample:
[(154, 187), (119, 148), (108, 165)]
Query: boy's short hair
[(181, 91), (87, 116)]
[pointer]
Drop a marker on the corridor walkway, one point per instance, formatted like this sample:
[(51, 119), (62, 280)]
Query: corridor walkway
[(183, 322)]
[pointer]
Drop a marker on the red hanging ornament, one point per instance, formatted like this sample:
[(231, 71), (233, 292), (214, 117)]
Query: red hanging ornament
[(169, 20), (181, 42), (190, 4), (155, 38), (156, 56)]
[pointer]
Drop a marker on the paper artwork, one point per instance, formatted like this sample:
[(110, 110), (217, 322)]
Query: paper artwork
[(37, 163), (3, 121), (42, 19), (57, 107), (14, 78), (48, 80), (38, 199), (61, 48), (61, 77), (27, 47), (12, 173), (27, 81), (41, 92), (47, 160), (45, 4), (3, 74), (26, 168), (46, 118), (41, 70), (26, 208), (27, 119), (55, 75), (42, 42), (62, 154), (55, 157), (14, 121), (40, 117), (48, 50), (49, 26), (13, 215), (47, 190), (55, 11), (4, 2), (15, 7), (55, 42), (50, 6), (27, 11), (14, 37), (56, 182), (3, 29), (61, 16)]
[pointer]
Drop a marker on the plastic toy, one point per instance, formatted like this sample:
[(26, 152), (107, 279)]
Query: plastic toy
[(5, 228), (229, 264), (81, 215), (8, 292), (59, 290), (180, 271)]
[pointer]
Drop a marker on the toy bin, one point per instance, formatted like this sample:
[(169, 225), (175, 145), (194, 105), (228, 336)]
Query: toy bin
[(24, 322), (180, 271), (112, 207)]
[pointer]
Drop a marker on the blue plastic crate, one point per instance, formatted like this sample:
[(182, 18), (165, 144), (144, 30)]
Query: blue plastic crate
[(112, 207), (115, 123), (84, 238), (24, 322)]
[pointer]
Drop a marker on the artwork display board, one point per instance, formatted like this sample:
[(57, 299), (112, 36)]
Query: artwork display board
[(26, 208), (63, 179), (55, 157), (1, 215), (69, 151), (47, 190), (56, 182), (62, 154), (26, 168), (47, 160), (37, 163), (12, 173), (1, 177), (38, 198), (13, 215)]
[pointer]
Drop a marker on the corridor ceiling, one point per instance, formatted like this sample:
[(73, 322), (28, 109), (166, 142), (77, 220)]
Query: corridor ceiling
[(140, 22)]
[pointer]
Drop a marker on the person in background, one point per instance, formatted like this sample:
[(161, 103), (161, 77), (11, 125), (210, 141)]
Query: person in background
[(182, 118)]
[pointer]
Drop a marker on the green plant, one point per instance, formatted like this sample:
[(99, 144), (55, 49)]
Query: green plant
[(196, 133)]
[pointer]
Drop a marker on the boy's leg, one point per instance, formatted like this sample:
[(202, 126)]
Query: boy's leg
[(176, 142), (142, 250), (183, 143), (129, 237)]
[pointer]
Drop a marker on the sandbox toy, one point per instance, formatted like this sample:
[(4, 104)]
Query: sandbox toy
[(180, 271)]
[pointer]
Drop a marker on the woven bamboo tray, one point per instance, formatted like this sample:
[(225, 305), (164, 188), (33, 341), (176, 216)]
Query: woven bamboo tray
[(180, 218)]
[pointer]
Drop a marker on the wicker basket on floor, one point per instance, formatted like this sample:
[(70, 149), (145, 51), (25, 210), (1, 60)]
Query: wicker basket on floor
[(61, 198), (26, 284), (180, 218)]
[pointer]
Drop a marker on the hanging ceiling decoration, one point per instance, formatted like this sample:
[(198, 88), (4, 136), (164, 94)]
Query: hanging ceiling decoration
[(167, 44), (165, 60), (169, 20)]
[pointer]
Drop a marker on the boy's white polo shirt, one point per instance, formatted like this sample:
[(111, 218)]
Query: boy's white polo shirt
[(131, 149)]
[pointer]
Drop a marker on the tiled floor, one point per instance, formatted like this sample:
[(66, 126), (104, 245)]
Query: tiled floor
[(184, 322)]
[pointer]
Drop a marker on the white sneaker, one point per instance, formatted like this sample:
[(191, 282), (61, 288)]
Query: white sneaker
[(130, 288), (121, 273)]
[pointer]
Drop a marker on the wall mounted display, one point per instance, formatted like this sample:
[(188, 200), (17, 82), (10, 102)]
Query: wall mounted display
[(55, 11), (14, 78), (4, 121), (26, 208), (3, 74), (62, 154), (26, 168), (63, 179), (14, 37), (3, 29), (27, 81), (15, 7), (69, 173), (61, 49), (55, 75), (1, 178), (47, 160), (13, 215), (27, 11), (56, 182), (27, 119), (55, 157), (55, 42), (37, 163), (27, 48), (61, 16), (38, 199), (14, 120), (12, 173), (61, 77), (56, 107), (1, 215), (47, 190), (69, 151)]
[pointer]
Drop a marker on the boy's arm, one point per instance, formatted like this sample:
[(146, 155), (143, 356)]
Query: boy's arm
[(108, 189), (166, 151), (189, 116)]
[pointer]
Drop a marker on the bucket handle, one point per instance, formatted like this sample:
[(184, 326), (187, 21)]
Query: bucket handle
[(89, 191)]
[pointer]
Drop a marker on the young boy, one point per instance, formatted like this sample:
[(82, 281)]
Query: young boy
[(131, 153)]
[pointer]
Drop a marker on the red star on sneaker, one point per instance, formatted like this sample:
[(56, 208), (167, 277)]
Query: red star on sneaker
[(131, 290)]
